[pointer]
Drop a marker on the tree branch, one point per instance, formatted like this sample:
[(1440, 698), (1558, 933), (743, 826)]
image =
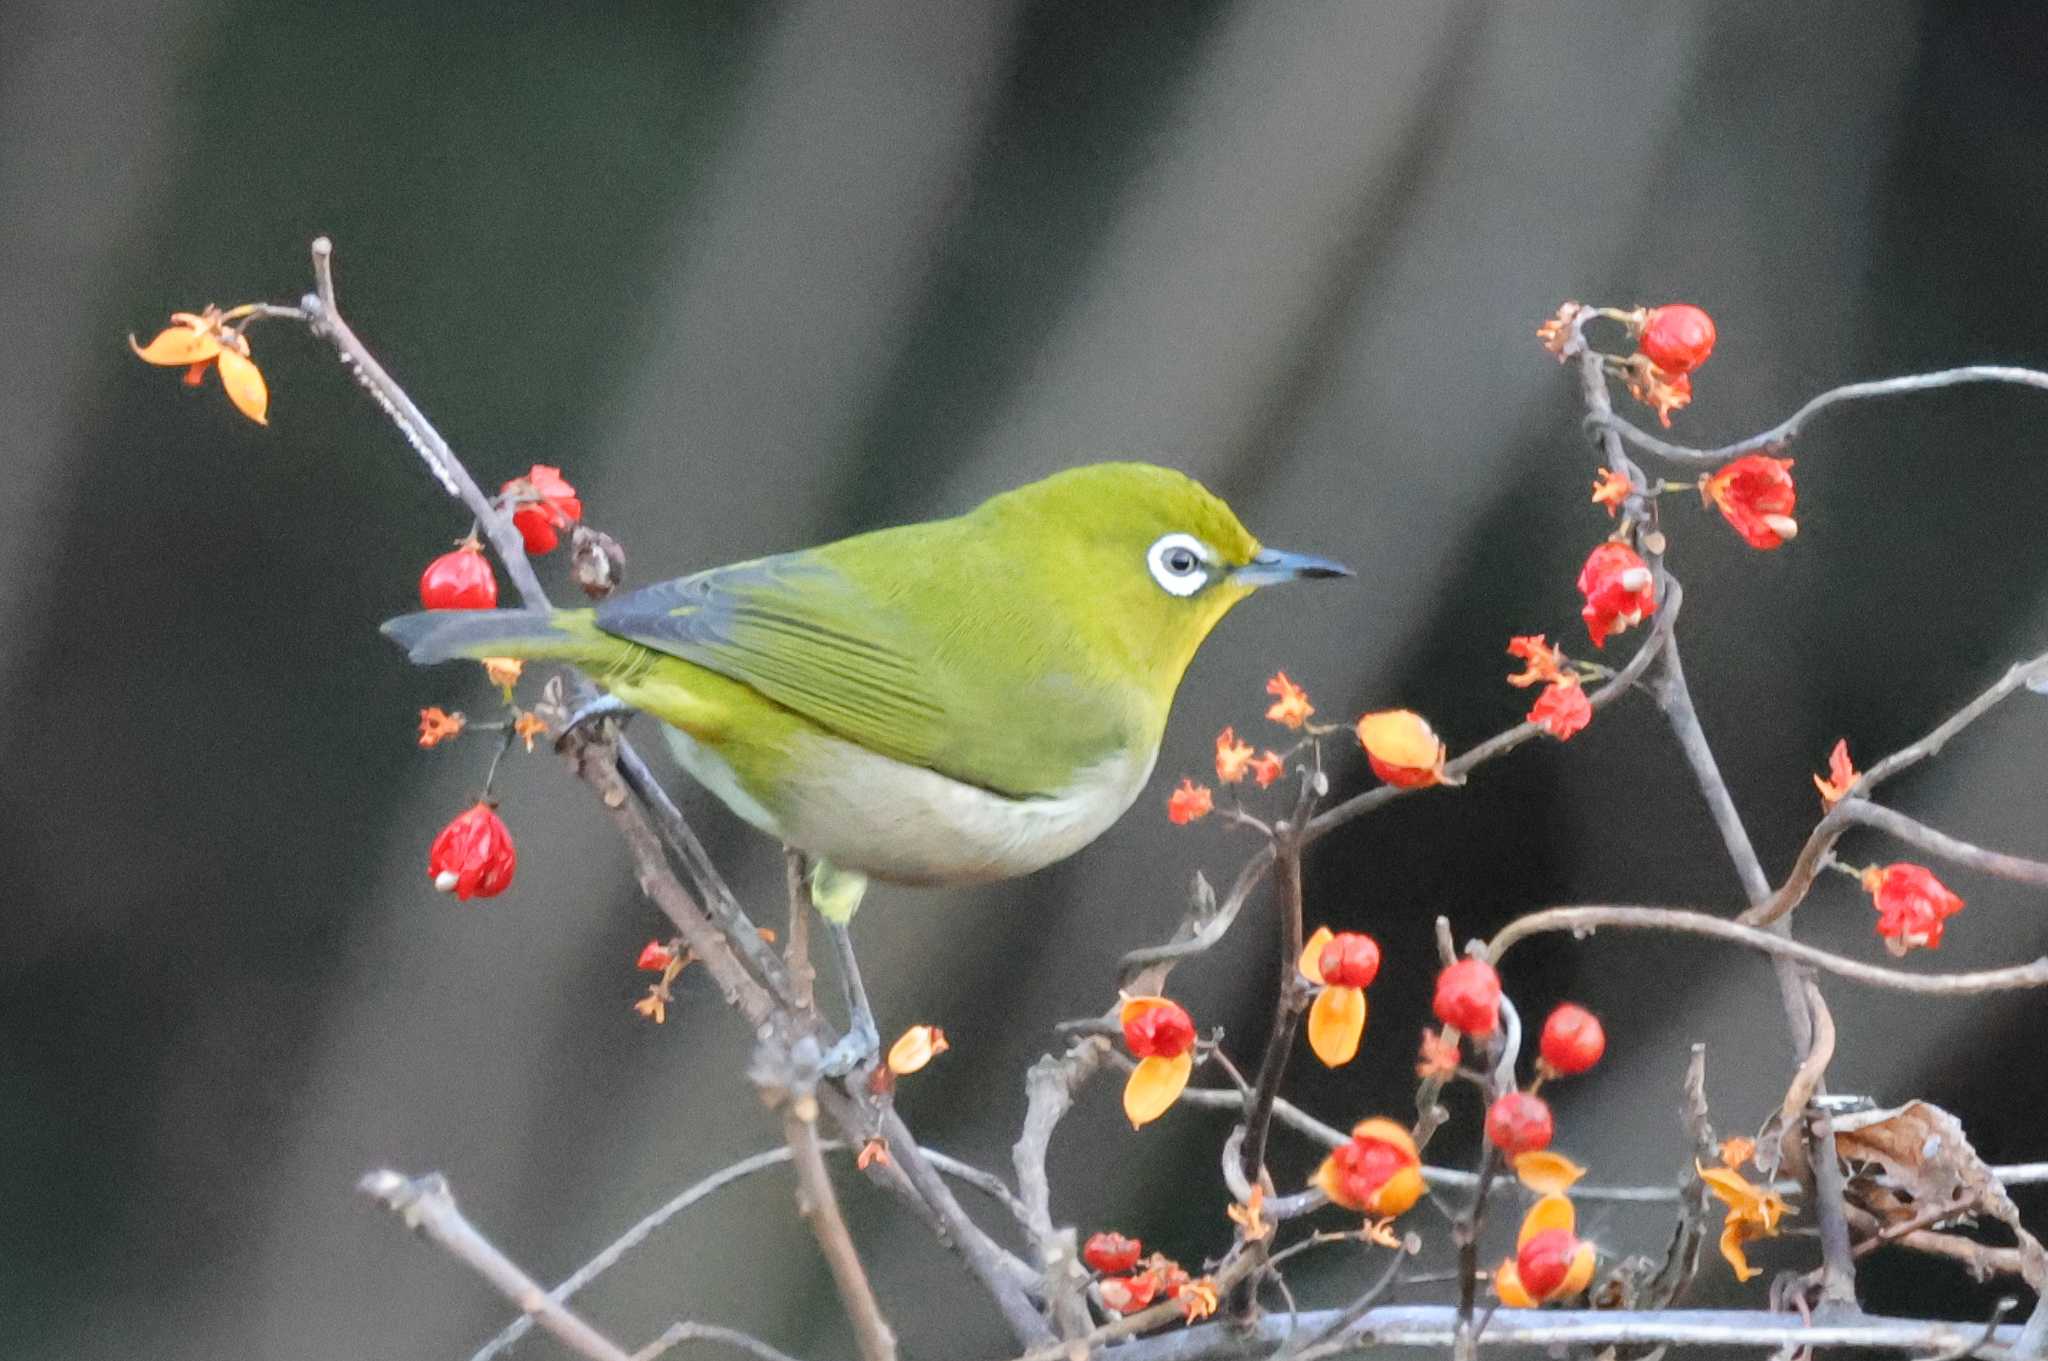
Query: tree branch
[(1582, 921), (820, 1208), (1786, 429), (427, 1206)]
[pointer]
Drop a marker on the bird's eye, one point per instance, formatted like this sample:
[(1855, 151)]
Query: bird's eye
[(1179, 564)]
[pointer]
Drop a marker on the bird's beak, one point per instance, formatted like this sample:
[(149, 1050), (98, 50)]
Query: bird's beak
[(1271, 565)]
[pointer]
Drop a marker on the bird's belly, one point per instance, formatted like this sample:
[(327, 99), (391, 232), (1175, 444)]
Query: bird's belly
[(909, 825)]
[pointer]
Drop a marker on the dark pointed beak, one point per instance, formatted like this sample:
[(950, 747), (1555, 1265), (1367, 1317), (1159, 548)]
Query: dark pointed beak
[(1272, 566)]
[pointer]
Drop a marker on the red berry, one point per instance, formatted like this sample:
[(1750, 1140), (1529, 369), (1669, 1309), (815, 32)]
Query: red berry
[(1111, 1252), (543, 505), (1468, 997), (1573, 1040), (473, 857), (1545, 1260), (1518, 1123), (1128, 1294), (1163, 1030), (537, 529), (1677, 337), (1349, 960), (655, 957), (460, 580)]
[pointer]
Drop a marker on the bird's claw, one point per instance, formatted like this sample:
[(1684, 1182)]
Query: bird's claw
[(855, 1050), (604, 706)]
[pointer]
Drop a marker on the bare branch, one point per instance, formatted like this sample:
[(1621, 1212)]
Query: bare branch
[(1433, 1325), (820, 1208), (1786, 429), (677, 1333), (426, 1205), (1585, 920), (1945, 847)]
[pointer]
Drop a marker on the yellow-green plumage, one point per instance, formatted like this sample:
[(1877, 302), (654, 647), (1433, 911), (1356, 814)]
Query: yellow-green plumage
[(945, 702)]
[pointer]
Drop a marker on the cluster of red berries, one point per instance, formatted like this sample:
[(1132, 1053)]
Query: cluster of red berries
[(1467, 1001), (1122, 1285), (474, 855)]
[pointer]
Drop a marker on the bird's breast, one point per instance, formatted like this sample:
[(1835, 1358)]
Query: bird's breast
[(911, 825)]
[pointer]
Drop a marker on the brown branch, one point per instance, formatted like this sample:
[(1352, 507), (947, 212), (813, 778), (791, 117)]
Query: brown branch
[(427, 1206), (1786, 429), (1581, 921), (1945, 847), (820, 1208)]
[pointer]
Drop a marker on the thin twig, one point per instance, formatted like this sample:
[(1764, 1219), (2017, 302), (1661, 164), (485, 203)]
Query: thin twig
[(677, 1333), (1945, 847), (1585, 920), (820, 1208), (1786, 429), (426, 1205)]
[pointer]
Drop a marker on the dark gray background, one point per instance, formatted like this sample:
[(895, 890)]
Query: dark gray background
[(762, 275)]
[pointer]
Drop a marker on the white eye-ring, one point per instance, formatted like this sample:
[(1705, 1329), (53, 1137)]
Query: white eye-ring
[(1179, 563)]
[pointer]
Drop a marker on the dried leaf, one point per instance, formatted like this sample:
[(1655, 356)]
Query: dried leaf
[(1908, 1158)]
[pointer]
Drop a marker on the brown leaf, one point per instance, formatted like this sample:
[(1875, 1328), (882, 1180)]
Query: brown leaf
[(1905, 1161)]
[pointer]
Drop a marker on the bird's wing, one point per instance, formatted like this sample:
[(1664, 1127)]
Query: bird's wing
[(847, 658)]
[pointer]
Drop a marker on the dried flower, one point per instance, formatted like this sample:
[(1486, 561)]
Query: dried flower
[(1619, 589), (1233, 758), (438, 726), (1438, 1058), (1753, 1213), (1556, 334), (1111, 1252), (596, 561), (194, 342), (504, 672), (1188, 802), (1290, 706), (1611, 489), (1662, 392), (528, 726), (1543, 663), (1911, 905), (1562, 709), (1842, 775), (1756, 495)]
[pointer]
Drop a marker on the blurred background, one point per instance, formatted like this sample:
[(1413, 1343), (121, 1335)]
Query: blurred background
[(761, 275)]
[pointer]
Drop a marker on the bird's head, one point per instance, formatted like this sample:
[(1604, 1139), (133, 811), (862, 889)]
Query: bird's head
[(1142, 560)]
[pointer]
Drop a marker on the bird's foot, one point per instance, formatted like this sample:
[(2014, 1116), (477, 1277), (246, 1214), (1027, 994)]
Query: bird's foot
[(856, 1050), (604, 706)]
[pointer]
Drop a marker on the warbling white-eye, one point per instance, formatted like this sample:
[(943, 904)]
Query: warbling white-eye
[(942, 703)]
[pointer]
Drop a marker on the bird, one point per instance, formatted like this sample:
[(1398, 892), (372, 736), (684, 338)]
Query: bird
[(944, 703)]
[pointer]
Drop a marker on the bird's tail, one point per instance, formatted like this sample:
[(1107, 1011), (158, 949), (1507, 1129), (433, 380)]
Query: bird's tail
[(563, 635)]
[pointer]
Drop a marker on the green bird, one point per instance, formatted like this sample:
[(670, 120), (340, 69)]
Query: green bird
[(951, 702)]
